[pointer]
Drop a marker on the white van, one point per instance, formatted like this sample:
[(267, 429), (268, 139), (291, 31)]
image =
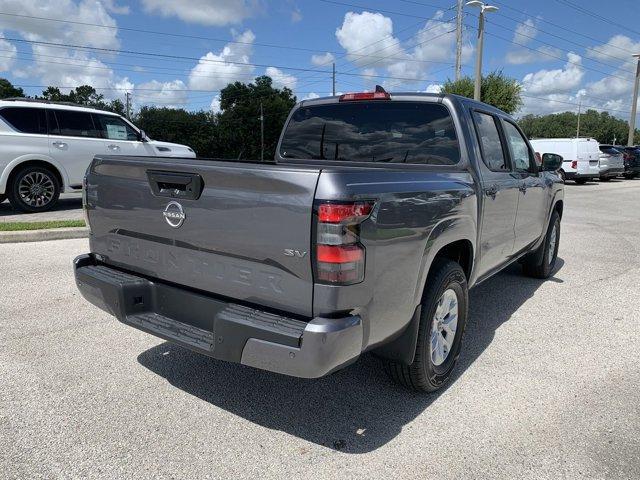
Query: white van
[(46, 148), (580, 156)]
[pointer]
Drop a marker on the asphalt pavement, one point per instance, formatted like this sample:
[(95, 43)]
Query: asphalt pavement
[(69, 207), (548, 384)]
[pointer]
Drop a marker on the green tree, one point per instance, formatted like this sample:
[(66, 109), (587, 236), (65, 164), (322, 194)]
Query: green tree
[(239, 120), (495, 89), (195, 129), (7, 90), (84, 95), (599, 125)]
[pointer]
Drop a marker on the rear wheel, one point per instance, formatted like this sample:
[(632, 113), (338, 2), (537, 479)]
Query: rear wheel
[(540, 264), (605, 179), (34, 189), (442, 324), (581, 181), (3, 197)]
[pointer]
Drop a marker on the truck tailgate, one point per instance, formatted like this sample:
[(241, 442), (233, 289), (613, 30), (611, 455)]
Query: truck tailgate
[(229, 240)]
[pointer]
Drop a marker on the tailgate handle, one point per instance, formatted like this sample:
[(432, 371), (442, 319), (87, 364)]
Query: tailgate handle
[(175, 185)]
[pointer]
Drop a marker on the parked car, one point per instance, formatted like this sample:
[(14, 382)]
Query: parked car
[(47, 147), (581, 156), (631, 161), (378, 214), (611, 162)]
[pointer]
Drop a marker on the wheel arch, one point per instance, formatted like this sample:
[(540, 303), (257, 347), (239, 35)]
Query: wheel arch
[(39, 160)]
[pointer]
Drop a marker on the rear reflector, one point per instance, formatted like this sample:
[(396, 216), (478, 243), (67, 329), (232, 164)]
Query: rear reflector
[(574, 164), (352, 97), (340, 253)]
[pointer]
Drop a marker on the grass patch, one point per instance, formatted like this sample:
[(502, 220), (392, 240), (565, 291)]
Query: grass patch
[(17, 226)]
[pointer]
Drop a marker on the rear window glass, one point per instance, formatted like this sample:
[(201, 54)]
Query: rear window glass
[(387, 132), (74, 123), (25, 119), (610, 150)]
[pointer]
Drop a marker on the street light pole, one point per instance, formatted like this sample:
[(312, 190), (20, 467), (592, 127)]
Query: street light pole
[(483, 9), (634, 104), (458, 67)]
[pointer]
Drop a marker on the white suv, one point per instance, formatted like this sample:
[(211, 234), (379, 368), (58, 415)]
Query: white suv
[(47, 147)]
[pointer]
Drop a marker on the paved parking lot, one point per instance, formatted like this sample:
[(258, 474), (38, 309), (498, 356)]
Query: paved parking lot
[(548, 385), (68, 208)]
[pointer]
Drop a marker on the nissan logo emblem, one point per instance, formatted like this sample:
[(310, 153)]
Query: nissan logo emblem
[(174, 215)]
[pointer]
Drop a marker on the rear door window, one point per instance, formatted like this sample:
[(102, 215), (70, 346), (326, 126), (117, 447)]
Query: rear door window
[(490, 143), (26, 119), (375, 131), (74, 124)]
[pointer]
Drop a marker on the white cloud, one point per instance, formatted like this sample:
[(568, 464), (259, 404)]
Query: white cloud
[(205, 12), (311, 96), (112, 7), (433, 88), (368, 34), (370, 43), (619, 46), (296, 15), (281, 79), (164, 94), (556, 81), (215, 104), (8, 55), (525, 32), (215, 71), (323, 60)]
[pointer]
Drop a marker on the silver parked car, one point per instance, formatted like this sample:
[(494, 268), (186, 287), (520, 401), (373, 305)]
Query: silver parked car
[(611, 162)]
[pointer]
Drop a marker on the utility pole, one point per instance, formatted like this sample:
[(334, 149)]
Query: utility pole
[(334, 79), (458, 40), (488, 9), (261, 133), (128, 104), (634, 104), (579, 108)]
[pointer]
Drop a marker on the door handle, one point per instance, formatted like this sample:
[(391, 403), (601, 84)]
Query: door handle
[(491, 191), (113, 147), (59, 144)]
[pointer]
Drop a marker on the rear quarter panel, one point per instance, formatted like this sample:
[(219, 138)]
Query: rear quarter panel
[(416, 214)]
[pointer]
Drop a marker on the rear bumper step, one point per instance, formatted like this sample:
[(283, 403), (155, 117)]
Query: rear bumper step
[(221, 329)]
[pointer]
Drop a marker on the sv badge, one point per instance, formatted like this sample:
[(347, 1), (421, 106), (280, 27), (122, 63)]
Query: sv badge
[(290, 252)]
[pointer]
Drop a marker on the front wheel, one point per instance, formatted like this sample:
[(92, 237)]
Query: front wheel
[(563, 176), (581, 181), (442, 323), (540, 264), (34, 189)]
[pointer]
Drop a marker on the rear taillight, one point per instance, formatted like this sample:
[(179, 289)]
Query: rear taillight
[(340, 258), (574, 164)]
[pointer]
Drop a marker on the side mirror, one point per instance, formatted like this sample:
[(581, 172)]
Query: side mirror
[(551, 162), (143, 136)]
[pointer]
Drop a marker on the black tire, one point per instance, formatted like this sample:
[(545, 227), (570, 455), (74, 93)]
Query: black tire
[(581, 181), (605, 179), (423, 375), (563, 176), (3, 197), (37, 203), (531, 265)]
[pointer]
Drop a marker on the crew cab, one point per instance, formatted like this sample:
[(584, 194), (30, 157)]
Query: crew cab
[(365, 233), (47, 147)]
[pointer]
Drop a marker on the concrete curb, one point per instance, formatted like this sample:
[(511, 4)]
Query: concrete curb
[(42, 235)]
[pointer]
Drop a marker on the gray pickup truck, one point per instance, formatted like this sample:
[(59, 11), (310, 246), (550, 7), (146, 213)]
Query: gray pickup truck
[(365, 233)]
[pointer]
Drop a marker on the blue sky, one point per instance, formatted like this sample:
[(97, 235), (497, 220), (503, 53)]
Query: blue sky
[(402, 44)]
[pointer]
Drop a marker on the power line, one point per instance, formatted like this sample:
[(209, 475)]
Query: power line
[(597, 16)]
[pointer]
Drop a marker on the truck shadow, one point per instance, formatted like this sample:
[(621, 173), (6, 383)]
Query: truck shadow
[(355, 410)]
